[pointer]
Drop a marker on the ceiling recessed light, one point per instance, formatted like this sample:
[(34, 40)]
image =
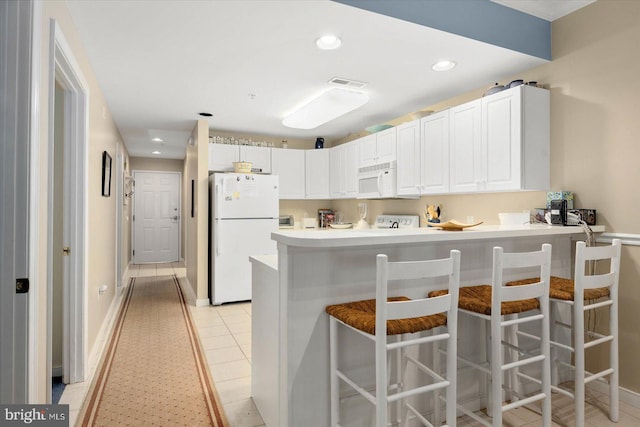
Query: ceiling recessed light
[(444, 65), (205, 114), (156, 152), (328, 42), (156, 139)]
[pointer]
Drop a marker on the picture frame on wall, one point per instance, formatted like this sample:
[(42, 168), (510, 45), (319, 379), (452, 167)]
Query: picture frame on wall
[(106, 174)]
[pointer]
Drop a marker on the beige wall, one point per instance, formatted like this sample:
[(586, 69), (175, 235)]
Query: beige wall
[(197, 228), (154, 164), (103, 135)]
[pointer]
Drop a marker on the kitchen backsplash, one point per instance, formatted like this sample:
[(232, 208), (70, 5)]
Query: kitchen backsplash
[(482, 207)]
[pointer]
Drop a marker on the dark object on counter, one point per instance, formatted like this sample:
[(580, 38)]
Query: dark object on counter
[(319, 142)]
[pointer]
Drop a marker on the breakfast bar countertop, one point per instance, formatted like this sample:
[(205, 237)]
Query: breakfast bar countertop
[(325, 238)]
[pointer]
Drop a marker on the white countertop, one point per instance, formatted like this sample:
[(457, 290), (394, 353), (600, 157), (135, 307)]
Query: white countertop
[(270, 261), (324, 238)]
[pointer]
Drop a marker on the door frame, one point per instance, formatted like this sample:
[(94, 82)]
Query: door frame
[(64, 69), (133, 209)]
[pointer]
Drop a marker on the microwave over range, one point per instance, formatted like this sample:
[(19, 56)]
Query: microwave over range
[(377, 181)]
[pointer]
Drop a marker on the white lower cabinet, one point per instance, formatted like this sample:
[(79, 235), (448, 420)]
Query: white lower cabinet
[(289, 165), (343, 171), (317, 174)]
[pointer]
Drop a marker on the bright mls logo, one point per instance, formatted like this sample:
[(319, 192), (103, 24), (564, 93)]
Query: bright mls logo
[(37, 415)]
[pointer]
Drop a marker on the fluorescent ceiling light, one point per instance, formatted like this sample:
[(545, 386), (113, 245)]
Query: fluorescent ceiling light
[(327, 106), (445, 65), (156, 152), (328, 42), (156, 139)]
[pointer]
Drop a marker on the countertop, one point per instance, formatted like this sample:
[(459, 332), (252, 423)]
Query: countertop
[(325, 238)]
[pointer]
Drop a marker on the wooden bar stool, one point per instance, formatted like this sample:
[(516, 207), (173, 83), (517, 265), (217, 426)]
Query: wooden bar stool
[(588, 291), (378, 318), (500, 306)]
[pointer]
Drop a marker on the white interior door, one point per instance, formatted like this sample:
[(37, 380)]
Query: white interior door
[(156, 217)]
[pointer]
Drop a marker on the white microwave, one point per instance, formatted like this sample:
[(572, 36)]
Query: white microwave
[(377, 181)]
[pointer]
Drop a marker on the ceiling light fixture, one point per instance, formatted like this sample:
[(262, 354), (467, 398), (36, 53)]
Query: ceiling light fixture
[(156, 152), (156, 139), (444, 65), (325, 107), (328, 42)]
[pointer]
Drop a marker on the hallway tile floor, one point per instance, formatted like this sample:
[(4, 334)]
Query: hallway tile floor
[(225, 334)]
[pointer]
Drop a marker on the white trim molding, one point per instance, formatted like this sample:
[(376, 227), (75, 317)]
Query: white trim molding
[(627, 238)]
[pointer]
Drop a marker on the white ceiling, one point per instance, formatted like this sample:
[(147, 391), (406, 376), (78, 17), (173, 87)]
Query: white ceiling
[(159, 63), (545, 9)]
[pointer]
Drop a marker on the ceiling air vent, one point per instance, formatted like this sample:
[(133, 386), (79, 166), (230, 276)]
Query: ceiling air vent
[(339, 81)]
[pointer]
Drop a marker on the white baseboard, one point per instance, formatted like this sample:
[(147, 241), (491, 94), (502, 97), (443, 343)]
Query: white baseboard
[(187, 290), (104, 333), (627, 238), (202, 302), (627, 396)]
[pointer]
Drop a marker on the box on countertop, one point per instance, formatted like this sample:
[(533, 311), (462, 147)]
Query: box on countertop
[(560, 195)]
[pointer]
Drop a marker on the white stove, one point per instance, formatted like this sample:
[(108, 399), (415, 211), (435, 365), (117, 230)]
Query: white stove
[(397, 221)]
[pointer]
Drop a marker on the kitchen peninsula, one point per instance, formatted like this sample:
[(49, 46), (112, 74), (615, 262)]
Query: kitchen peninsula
[(315, 268)]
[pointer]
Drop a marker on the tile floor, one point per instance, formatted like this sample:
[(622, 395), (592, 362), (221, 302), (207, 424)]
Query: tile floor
[(225, 333)]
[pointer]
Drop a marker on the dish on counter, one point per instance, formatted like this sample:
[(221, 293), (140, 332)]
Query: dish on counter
[(342, 225), (452, 225)]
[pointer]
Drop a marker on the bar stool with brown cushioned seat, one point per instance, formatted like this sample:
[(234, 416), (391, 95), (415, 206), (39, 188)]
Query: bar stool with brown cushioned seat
[(500, 305), (379, 318), (596, 290)]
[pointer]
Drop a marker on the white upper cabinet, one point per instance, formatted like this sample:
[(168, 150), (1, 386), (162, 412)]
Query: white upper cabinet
[(515, 139), (501, 142), (378, 148), (465, 148), (409, 167), (343, 171), (317, 174), (289, 165), (434, 137), (222, 156), (260, 157)]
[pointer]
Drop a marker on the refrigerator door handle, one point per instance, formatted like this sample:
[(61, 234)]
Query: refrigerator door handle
[(216, 235)]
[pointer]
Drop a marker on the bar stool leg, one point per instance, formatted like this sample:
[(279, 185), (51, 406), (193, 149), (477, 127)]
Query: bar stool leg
[(381, 383), (578, 345), (437, 367), (614, 409), (496, 369), (553, 351), (333, 362)]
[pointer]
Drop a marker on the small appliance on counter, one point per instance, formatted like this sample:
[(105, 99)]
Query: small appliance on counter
[(286, 221), (362, 224), (397, 221)]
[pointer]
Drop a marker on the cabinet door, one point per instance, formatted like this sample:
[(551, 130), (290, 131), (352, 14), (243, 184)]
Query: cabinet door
[(386, 145), (337, 158), (351, 169), (501, 140), (465, 148), (408, 158), (435, 153), (368, 150), (259, 156), (317, 174), (222, 156), (289, 165)]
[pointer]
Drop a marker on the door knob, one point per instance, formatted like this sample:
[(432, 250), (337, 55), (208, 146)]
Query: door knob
[(175, 218), (66, 250)]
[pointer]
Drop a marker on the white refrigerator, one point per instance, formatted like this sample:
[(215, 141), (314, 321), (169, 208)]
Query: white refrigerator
[(244, 212)]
